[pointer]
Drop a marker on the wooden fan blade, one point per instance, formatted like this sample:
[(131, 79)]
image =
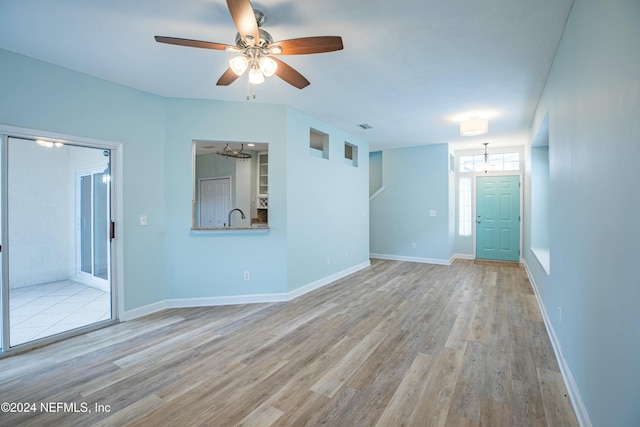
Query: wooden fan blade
[(227, 78), (191, 43), (306, 45), (245, 20), (290, 75)]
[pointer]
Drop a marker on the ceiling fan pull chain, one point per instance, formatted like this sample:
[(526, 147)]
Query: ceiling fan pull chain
[(249, 86)]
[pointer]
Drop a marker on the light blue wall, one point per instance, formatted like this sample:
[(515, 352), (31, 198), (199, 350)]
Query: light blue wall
[(327, 204), (593, 100), (540, 197), (211, 264), (45, 97), (376, 180), (416, 180), (317, 210)]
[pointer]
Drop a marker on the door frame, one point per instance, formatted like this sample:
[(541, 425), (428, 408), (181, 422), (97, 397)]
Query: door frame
[(117, 217), (474, 191)]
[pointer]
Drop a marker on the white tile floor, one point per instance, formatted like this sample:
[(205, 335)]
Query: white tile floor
[(39, 311)]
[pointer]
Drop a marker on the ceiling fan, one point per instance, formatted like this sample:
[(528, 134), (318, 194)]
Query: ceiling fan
[(256, 49)]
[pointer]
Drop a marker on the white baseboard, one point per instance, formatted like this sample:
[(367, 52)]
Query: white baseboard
[(85, 279), (325, 281), (144, 310), (239, 299), (572, 387), (227, 300), (412, 259)]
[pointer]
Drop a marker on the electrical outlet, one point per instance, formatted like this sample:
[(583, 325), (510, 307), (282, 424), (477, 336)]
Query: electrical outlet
[(413, 245), (143, 220), (432, 213), (328, 261), (246, 275), (346, 255), (559, 315)]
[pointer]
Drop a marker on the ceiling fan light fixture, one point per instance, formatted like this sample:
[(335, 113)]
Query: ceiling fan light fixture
[(252, 43), (255, 75), (239, 64), (474, 126), (268, 66)]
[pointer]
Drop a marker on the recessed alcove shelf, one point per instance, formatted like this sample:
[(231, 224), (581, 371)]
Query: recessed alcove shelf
[(318, 144), (540, 196), (350, 154)]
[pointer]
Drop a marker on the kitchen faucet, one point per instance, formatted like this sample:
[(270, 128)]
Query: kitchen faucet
[(231, 211)]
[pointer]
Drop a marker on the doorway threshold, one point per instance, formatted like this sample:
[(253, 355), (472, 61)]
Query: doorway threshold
[(494, 263)]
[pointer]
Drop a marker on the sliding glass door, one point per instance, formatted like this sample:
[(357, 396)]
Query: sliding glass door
[(56, 206), (92, 217)]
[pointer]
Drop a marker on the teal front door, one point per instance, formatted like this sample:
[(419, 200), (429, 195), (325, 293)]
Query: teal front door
[(498, 218)]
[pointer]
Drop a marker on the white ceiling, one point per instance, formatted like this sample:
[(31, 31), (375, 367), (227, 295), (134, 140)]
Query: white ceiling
[(410, 69)]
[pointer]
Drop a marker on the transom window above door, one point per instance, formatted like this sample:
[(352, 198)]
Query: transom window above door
[(498, 162)]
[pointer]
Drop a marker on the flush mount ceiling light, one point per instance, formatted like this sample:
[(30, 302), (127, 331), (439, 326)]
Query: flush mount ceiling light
[(474, 126)]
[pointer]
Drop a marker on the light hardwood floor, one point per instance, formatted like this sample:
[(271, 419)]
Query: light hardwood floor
[(396, 344)]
